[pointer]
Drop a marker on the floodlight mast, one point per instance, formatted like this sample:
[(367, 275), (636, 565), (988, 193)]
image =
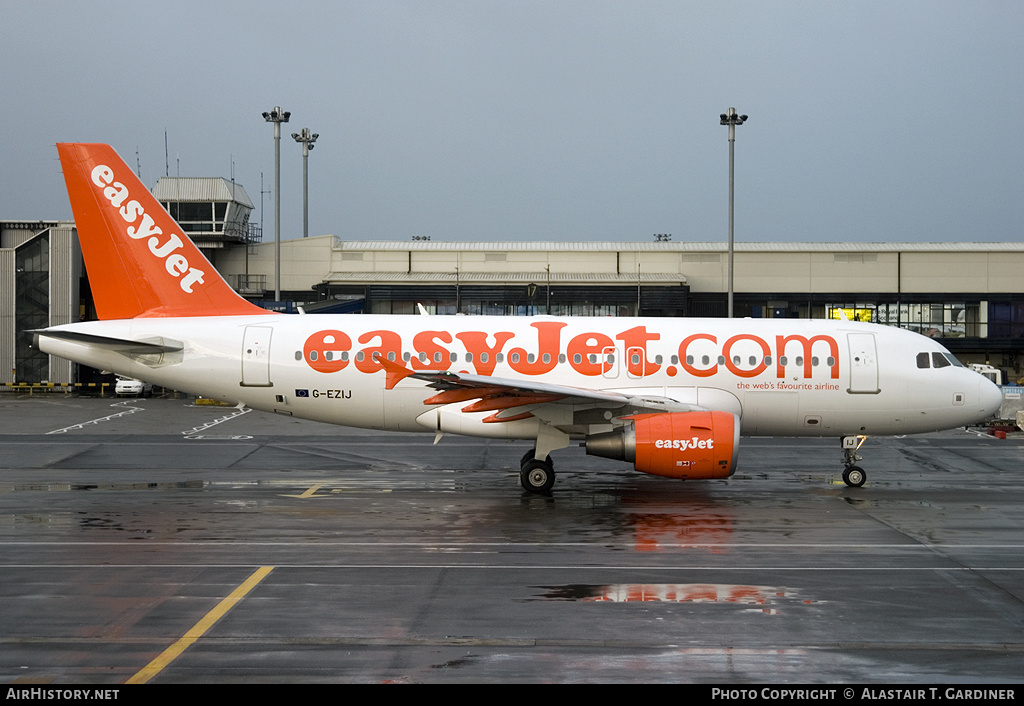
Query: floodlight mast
[(307, 139), (277, 116), (732, 119)]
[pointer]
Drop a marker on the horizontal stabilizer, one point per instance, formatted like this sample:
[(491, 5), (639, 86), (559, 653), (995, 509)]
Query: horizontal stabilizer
[(125, 346)]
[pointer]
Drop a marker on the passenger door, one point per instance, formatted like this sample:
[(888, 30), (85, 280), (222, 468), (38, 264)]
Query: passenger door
[(863, 364), (256, 356)]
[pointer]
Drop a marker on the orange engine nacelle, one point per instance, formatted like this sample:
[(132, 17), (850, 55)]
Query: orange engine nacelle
[(679, 445)]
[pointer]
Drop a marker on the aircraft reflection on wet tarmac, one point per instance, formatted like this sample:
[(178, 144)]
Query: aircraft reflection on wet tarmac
[(674, 593)]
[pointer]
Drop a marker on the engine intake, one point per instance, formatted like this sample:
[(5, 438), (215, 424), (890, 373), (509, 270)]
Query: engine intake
[(680, 445)]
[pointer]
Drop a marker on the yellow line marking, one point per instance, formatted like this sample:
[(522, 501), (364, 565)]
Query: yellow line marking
[(309, 493), (200, 628)]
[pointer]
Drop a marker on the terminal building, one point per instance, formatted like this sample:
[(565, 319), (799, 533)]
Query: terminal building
[(970, 295)]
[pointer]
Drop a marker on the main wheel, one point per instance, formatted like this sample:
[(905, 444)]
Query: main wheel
[(854, 476), (537, 476)]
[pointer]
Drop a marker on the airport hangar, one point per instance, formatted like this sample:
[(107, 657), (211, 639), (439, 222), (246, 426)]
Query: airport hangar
[(969, 295)]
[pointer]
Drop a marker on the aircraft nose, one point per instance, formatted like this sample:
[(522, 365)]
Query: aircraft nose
[(990, 397)]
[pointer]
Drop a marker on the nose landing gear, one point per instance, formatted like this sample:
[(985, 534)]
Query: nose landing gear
[(854, 476)]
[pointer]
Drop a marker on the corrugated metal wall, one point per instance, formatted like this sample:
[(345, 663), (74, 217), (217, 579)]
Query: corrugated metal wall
[(64, 275), (7, 333)]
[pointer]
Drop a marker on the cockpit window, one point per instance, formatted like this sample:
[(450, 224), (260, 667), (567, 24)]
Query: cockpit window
[(937, 360)]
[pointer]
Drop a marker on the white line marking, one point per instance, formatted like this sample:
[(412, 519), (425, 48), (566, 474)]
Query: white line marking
[(530, 567), (128, 410), (190, 433)]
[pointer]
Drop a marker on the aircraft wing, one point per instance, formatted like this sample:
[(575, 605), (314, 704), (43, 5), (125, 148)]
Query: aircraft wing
[(500, 394)]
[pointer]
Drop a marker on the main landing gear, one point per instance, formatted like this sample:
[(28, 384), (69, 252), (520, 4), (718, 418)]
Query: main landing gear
[(854, 476), (536, 476)]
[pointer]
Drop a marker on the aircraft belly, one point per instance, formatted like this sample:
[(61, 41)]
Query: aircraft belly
[(770, 413), (450, 418), (402, 406), (339, 398)]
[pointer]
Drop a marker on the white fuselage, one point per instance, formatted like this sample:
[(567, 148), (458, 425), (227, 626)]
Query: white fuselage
[(781, 376)]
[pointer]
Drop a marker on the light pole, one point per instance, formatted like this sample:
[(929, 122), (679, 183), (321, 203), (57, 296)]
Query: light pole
[(307, 141), (732, 119), (277, 116)]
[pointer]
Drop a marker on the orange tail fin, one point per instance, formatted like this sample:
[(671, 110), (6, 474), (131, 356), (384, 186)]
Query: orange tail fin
[(140, 262)]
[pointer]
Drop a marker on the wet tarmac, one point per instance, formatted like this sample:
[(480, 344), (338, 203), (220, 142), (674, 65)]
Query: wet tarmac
[(378, 557)]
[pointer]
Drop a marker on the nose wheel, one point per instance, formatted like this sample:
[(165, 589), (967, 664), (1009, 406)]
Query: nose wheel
[(854, 476)]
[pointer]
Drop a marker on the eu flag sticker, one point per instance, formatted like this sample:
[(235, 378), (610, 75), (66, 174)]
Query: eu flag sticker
[(302, 393)]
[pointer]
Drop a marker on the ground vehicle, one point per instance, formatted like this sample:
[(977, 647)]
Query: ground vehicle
[(130, 387), (992, 373)]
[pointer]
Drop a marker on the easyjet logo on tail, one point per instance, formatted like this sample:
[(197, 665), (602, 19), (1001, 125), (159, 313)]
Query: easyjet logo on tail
[(142, 226)]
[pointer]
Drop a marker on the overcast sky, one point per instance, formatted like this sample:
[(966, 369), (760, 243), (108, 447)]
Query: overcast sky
[(551, 120)]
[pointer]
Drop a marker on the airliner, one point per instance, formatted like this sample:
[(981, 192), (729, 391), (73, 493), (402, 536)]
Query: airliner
[(671, 396)]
